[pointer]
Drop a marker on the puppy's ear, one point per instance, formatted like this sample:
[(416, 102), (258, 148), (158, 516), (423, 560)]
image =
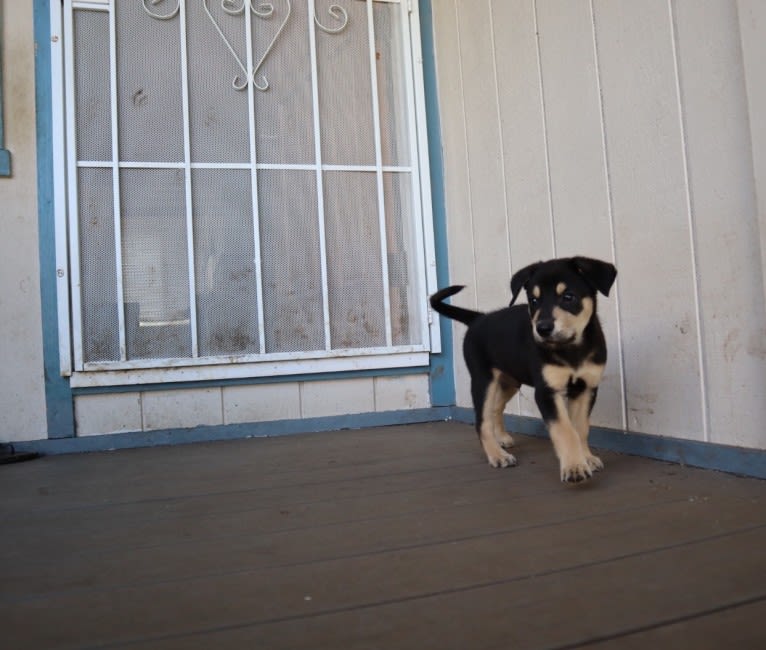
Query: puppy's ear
[(600, 275), (520, 279)]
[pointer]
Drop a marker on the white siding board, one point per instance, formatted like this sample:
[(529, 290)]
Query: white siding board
[(477, 237), (462, 378), (456, 180), (529, 233), (579, 193), (725, 219), (484, 155), (523, 137), (752, 26), (649, 202)]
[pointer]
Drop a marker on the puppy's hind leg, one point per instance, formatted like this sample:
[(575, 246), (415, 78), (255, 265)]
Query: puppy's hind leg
[(487, 394), (506, 389)]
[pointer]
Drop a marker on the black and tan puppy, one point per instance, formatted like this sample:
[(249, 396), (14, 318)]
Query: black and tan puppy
[(554, 343)]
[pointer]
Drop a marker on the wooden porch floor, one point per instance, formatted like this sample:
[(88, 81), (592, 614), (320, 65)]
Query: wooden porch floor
[(398, 537)]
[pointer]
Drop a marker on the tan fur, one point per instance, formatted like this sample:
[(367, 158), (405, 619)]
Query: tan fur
[(506, 389), (493, 436), (578, 413), (569, 326), (560, 288), (569, 432), (558, 377)]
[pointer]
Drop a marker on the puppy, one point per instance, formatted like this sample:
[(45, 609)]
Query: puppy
[(554, 344)]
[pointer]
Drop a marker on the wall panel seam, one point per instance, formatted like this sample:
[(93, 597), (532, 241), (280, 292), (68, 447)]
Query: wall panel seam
[(692, 230), (502, 138), (467, 155), (545, 128), (610, 214)]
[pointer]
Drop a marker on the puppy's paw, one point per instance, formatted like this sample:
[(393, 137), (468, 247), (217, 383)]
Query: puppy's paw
[(594, 462), (576, 472), (501, 458)]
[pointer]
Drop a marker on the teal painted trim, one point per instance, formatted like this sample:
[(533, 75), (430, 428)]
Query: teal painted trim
[(706, 455), (734, 460), (725, 458), (58, 395), (231, 431), (5, 155), (442, 364), (281, 379)]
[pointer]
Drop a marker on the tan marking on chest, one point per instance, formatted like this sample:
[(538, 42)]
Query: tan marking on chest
[(559, 377)]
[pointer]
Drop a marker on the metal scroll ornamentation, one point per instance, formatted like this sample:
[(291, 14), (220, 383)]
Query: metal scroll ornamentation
[(339, 14), (158, 14), (264, 11)]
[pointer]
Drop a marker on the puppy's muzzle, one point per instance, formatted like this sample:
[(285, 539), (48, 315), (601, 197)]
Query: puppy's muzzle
[(545, 327), (547, 334)]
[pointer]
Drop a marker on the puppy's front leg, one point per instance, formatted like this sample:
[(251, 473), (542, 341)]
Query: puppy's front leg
[(579, 412), (566, 440)]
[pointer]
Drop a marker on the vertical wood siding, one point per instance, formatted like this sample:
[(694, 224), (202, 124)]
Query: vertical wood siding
[(630, 132)]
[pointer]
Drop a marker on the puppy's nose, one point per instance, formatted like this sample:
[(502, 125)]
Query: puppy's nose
[(544, 327)]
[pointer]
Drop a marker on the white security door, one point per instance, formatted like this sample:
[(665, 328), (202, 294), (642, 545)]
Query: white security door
[(247, 185)]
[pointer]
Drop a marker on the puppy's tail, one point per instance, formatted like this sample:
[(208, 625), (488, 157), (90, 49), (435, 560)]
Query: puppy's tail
[(466, 316)]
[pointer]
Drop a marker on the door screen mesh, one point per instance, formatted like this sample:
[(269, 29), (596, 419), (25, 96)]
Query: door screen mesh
[(244, 180)]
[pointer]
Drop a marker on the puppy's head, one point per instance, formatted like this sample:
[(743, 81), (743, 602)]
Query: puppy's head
[(561, 295)]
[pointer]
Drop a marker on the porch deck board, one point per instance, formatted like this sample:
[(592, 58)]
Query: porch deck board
[(396, 537)]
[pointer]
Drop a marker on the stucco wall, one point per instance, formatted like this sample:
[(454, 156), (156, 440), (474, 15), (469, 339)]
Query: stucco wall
[(632, 132), (22, 395)]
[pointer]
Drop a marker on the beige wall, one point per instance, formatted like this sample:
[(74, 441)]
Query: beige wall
[(633, 132), (22, 397)]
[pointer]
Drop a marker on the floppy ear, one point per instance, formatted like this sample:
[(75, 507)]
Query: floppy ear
[(520, 279), (599, 274)]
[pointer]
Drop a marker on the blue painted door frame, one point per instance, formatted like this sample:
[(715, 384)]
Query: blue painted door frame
[(59, 396)]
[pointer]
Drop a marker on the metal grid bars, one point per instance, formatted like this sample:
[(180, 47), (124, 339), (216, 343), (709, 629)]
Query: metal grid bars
[(247, 182)]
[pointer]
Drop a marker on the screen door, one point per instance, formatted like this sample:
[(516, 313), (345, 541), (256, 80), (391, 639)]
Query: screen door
[(245, 183)]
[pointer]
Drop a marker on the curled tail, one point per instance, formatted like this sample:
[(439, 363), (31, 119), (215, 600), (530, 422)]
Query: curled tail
[(466, 316)]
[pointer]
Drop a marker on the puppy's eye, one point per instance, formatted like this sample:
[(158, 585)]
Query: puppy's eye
[(568, 297), (533, 302)]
